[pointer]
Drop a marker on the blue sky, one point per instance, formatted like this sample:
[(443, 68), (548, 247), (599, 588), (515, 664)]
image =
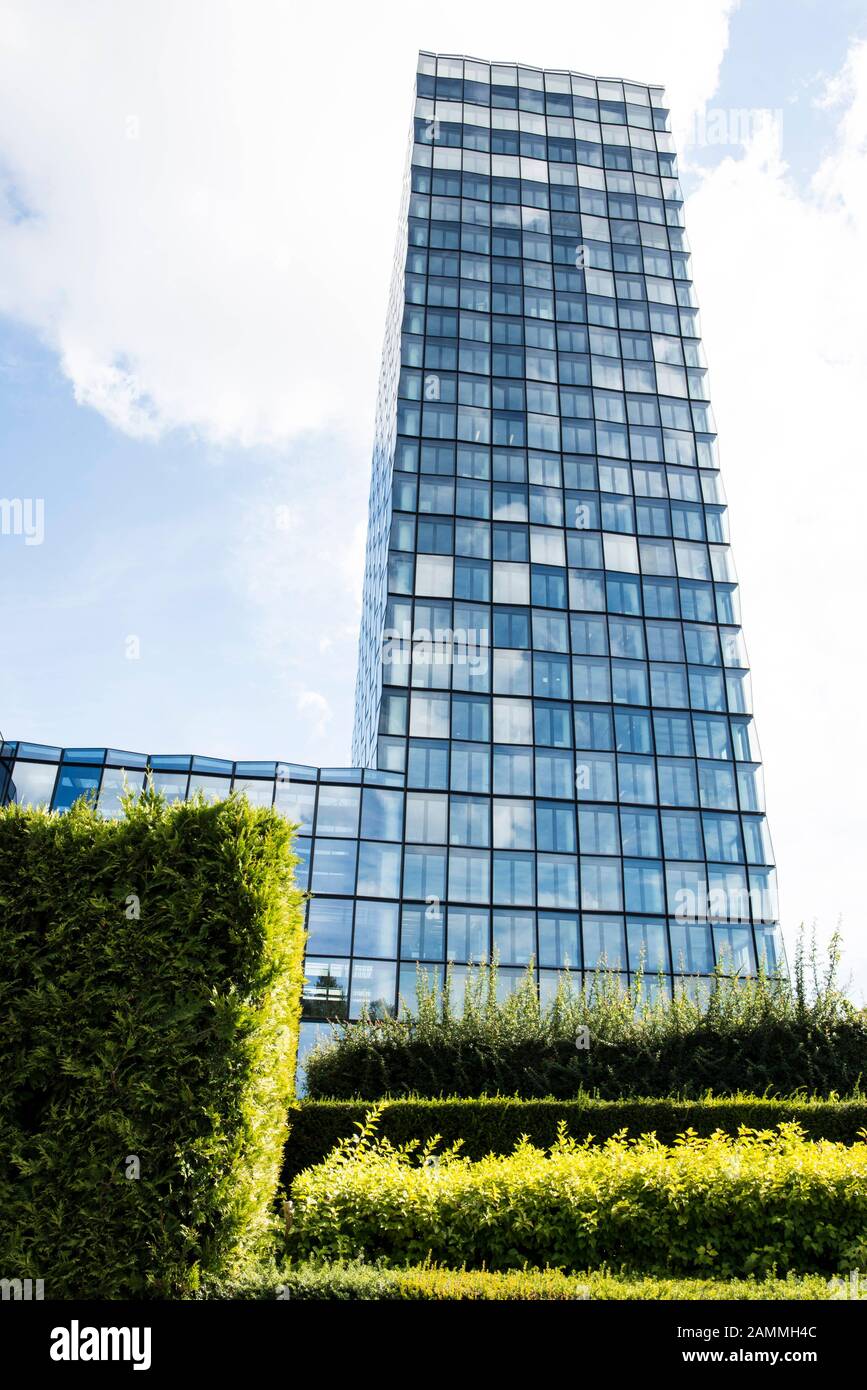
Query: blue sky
[(191, 310), (152, 540), (778, 56)]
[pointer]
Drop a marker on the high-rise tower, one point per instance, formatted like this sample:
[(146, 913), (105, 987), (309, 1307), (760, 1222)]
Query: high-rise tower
[(552, 651)]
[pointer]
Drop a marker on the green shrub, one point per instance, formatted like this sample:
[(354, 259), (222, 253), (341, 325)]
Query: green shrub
[(150, 974), (767, 1034), (764, 1201), (494, 1124), (357, 1281)]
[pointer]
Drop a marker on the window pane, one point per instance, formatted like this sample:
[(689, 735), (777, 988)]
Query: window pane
[(375, 929)]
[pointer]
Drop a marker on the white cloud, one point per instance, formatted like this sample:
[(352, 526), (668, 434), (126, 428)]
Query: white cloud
[(782, 280), (314, 706), (198, 202)]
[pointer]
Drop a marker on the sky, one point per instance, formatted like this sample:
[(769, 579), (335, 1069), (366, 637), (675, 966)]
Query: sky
[(198, 205)]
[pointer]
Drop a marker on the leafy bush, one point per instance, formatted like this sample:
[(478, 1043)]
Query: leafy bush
[(358, 1281), (767, 1034), (767, 1200), (494, 1124), (150, 975)]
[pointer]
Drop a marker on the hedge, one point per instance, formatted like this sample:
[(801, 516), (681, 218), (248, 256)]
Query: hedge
[(495, 1124), (150, 977), (781, 1058), (765, 1035), (764, 1202), (344, 1282)]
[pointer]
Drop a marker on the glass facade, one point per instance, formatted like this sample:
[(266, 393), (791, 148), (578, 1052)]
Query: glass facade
[(554, 745)]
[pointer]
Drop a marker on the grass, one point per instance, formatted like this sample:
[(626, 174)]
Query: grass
[(356, 1281)]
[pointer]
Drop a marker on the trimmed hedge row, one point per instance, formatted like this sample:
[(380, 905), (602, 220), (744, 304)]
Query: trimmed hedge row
[(351, 1282), (779, 1055), (729, 1207), (150, 977), (495, 1124)]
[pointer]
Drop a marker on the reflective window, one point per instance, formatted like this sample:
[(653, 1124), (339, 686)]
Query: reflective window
[(74, 782), (378, 870), (334, 866), (337, 811), (329, 926), (381, 814), (375, 929), (33, 783), (374, 985), (326, 988)]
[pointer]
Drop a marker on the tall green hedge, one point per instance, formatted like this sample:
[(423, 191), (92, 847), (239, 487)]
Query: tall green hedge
[(495, 1124), (150, 976)]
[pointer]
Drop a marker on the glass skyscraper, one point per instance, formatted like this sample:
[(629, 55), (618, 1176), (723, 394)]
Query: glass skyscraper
[(555, 753)]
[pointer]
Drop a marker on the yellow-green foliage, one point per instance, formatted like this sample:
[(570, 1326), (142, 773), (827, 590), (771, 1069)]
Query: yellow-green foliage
[(150, 977), (355, 1281), (765, 1200)]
